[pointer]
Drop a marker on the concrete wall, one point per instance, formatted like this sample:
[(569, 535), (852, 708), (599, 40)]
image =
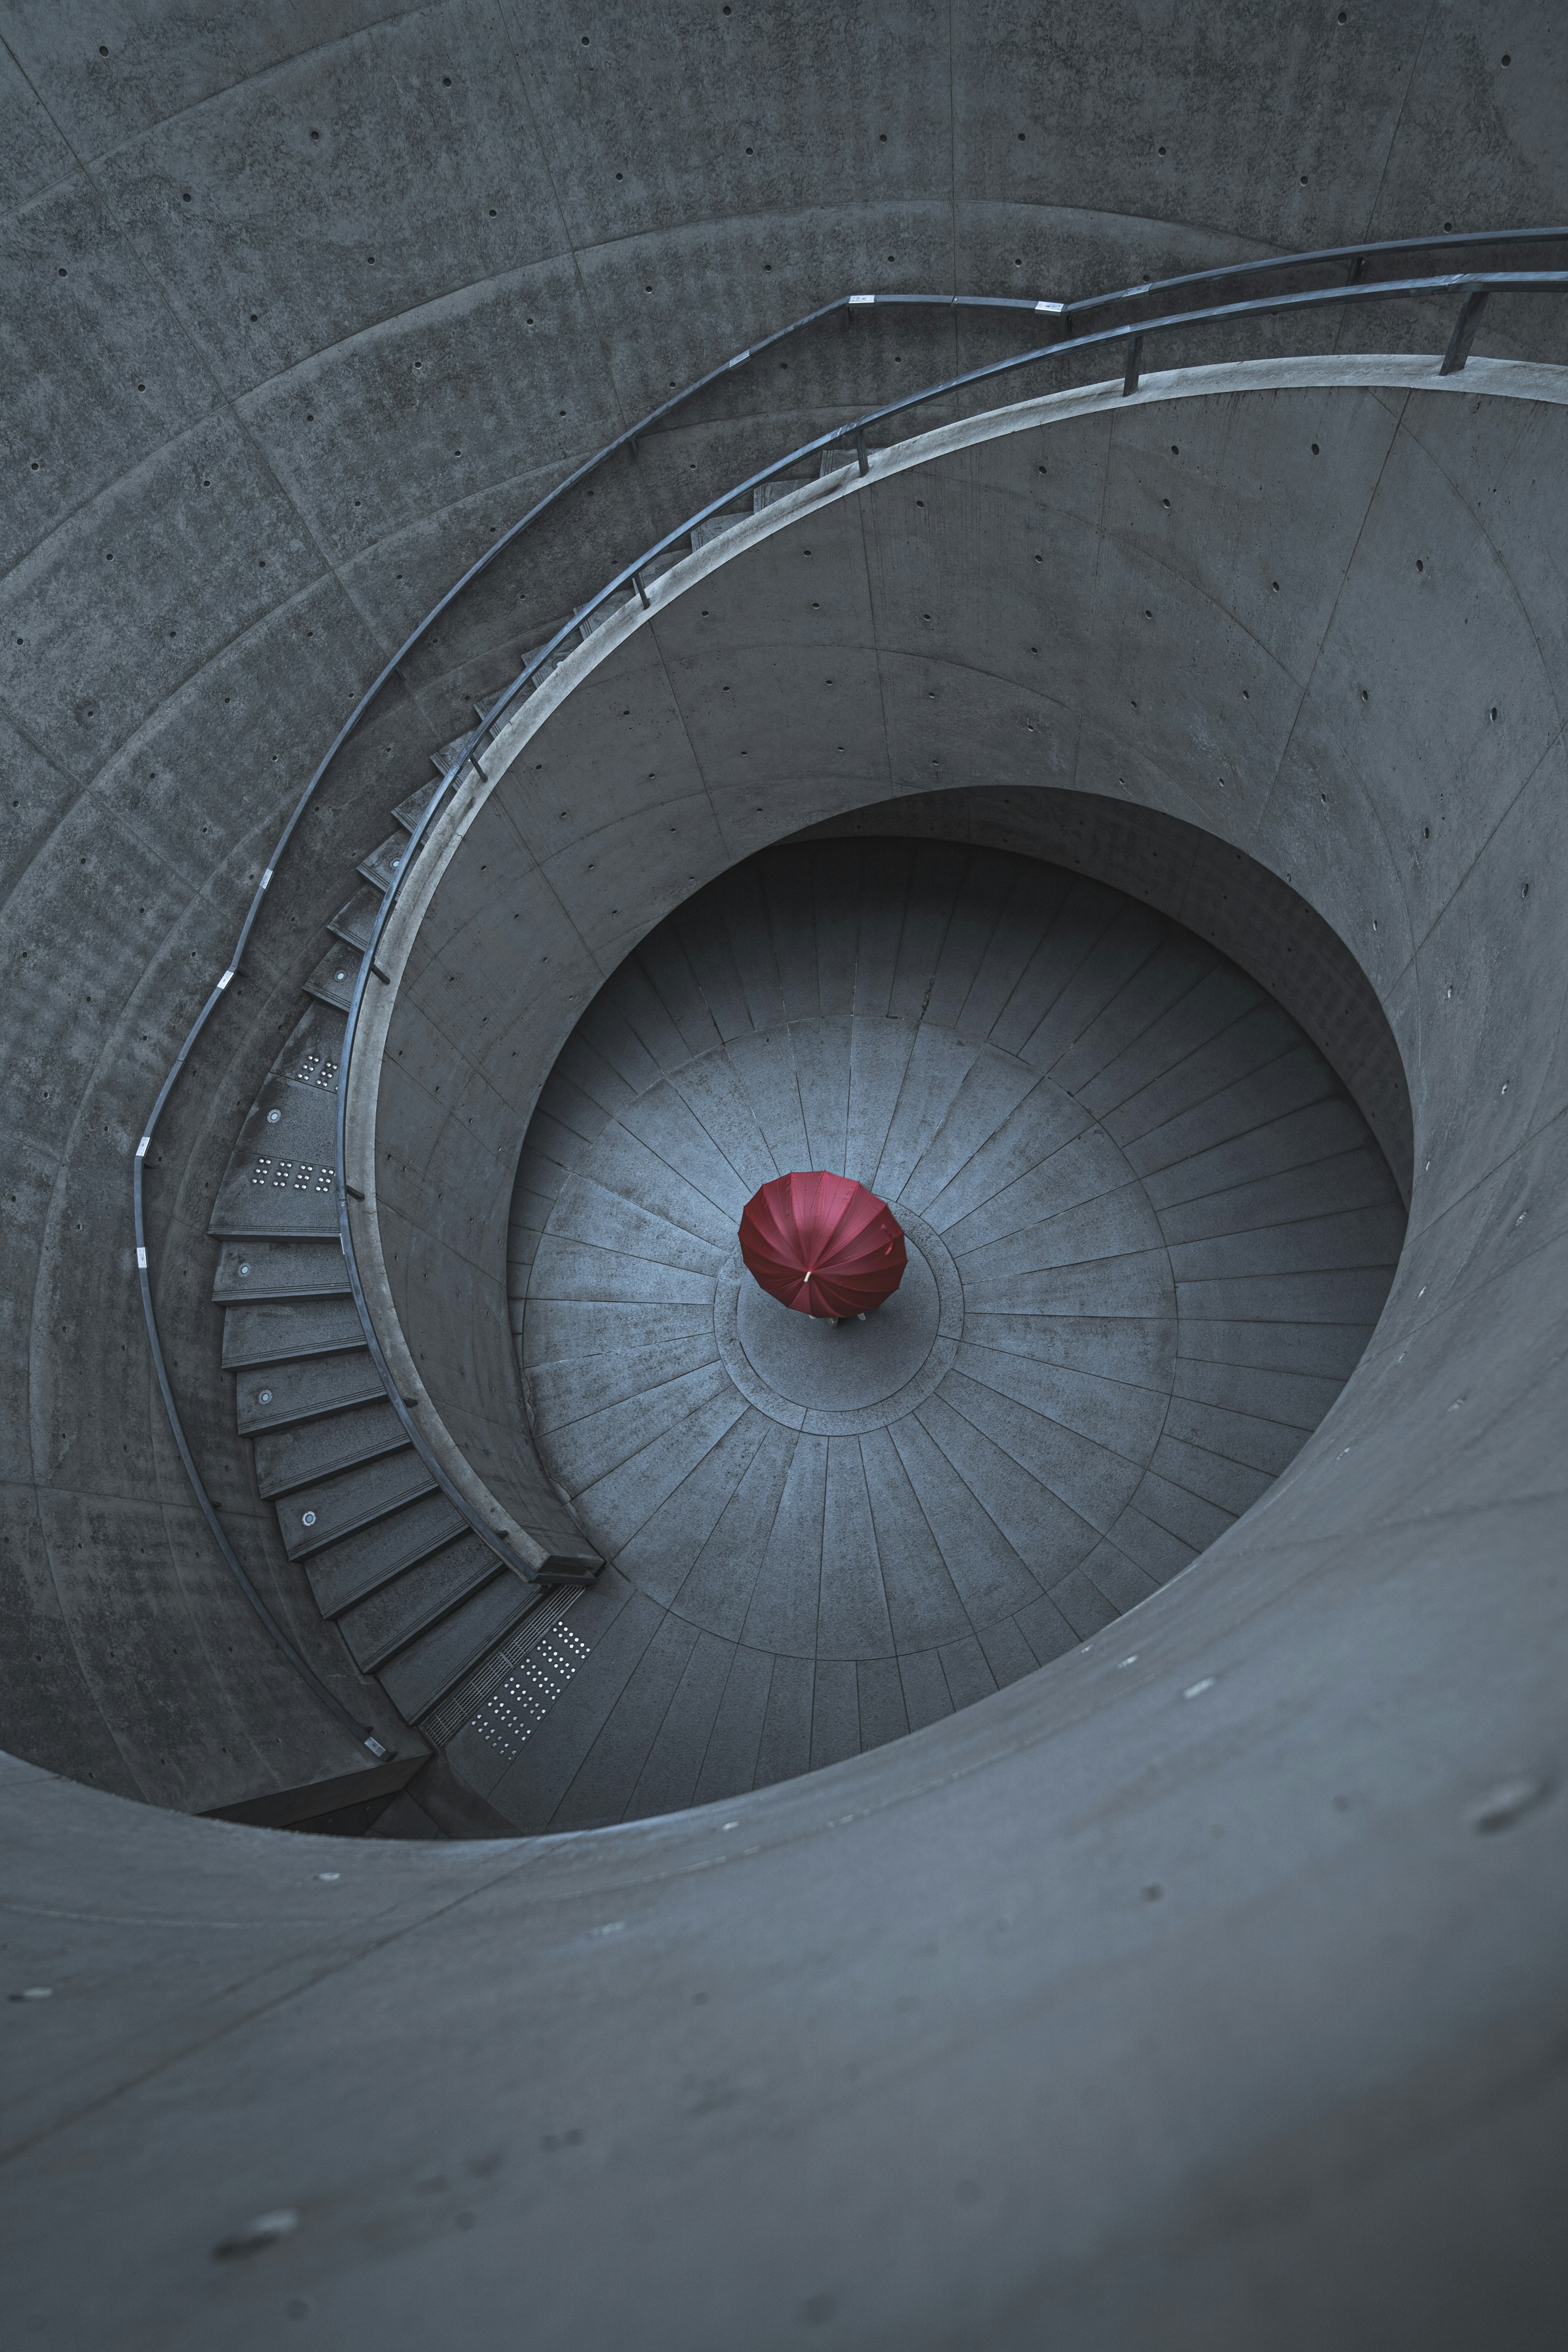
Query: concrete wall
[(1081, 595), (1106, 2013), (268, 391)]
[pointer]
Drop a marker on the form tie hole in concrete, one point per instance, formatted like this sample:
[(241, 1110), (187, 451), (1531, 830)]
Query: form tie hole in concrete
[(1315, 451), (263, 2231), (1501, 1807)]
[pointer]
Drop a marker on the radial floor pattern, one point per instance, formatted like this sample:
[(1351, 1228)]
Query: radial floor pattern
[(1148, 1234)]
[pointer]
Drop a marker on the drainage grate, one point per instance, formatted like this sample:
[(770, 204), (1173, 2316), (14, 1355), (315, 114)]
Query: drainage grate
[(526, 1697), (471, 1696)]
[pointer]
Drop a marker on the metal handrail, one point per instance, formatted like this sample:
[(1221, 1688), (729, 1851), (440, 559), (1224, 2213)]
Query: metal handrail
[(1477, 290)]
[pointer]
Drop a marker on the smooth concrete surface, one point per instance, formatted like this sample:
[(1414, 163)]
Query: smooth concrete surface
[(1203, 1990), (927, 626), (303, 310), (1149, 1237)]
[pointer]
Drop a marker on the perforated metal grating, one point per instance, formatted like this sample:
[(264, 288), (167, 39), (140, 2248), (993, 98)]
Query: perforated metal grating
[(525, 1699), (470, 1698)]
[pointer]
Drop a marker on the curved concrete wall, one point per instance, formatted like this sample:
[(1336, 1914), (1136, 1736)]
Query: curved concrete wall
[(1076, 594), (298, 318)]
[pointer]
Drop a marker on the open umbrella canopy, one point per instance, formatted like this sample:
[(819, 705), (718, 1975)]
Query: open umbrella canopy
[(822, 1244)]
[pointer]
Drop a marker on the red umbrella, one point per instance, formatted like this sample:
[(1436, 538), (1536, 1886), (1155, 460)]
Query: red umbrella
[(823, 1244)]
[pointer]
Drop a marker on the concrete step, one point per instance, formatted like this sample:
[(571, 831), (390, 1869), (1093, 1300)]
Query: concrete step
[(278, 1269), (375, 1553), (768, 494), (279, 1394), (419, 1678), (376, 1628), (441, 761), (279, 1177), (319, 1515), (297, 1457), (282, 1331), (356, 921), (604, 613), (715, 528), (409, 813), (332, 982), (384, 863)]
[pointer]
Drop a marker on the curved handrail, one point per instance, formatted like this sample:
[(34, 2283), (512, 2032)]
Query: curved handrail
[(1477, 289)]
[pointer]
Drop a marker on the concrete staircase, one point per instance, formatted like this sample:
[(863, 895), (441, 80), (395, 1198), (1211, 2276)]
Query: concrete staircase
[(419, 1599)]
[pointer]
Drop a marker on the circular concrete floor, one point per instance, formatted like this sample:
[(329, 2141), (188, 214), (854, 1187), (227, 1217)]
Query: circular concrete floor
[(1149, 1235)]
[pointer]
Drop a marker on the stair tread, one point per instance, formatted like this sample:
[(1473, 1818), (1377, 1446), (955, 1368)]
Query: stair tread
[(340, 1505), (410, 812), (768, 494), (380, 867), (280, 1393), (334, 979), (280, 1175), (355, 921), (419, 1676), (358, 1563), (604, 613), (398, 1612), (308, 1268), (314, 1449), (715, 528), (441, 761), (284, 1331)]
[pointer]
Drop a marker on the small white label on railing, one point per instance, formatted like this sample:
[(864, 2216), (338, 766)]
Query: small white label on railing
[(857, 299), (142, 1257), (266, 877), (1054, 308), (225, 980), (142, 1147), (739, 359)]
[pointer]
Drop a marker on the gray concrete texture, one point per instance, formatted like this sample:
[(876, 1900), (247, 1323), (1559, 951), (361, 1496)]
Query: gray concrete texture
[(337, 302), (1200, 1992), (1150, 1236)]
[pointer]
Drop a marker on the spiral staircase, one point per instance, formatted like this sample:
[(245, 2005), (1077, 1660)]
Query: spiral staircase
[(546, 682)]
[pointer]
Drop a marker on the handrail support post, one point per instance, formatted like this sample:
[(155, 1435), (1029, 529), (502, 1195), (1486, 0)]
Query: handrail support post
[(861, 459), (1464, 333), (1134, 360)]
